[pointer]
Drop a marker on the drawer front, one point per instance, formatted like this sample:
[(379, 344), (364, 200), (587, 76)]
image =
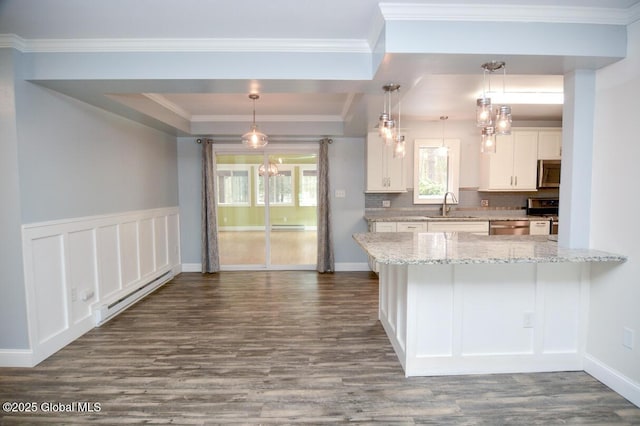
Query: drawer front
[(385, 227), (411, 227)]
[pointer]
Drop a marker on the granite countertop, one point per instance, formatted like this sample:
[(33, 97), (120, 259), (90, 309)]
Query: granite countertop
[(464, 248)]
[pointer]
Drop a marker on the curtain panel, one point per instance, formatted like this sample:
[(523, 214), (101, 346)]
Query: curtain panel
[(326, 262), (210, 252)]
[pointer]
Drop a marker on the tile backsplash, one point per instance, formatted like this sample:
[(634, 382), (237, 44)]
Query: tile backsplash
[(469, 198)]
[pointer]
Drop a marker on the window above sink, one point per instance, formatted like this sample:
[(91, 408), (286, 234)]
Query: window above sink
[(436, 170)]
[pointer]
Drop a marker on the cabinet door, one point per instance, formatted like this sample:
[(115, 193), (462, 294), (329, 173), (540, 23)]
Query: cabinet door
[(539, 227), (497, 168), (411, 226), (525, 160), (550, 145), (384, 173)]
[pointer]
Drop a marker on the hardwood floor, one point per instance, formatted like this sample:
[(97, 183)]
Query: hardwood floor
[(287, 248), (277, 348)]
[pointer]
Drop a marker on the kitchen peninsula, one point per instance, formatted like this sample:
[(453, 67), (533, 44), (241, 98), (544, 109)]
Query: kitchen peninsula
[(459, 303)]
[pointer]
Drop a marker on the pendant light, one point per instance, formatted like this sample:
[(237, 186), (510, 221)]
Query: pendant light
[(444, 149), (387, 128), (484, 109), (399, 144), (488, 140), (254, 138), (270, 170)]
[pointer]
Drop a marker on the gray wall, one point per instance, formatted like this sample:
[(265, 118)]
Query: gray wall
[(346, 171), (13, 311), (61, 158), (77, 160)]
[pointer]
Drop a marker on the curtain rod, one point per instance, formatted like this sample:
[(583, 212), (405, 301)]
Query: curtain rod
[(297, 140)]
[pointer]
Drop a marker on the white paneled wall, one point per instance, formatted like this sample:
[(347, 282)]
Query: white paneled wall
[(74, 266)]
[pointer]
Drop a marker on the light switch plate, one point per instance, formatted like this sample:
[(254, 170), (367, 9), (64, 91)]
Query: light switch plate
[(386, 203), (341, 193)]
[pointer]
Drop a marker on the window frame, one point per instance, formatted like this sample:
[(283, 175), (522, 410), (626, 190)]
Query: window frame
[(301, 169), (232, 168), (453, 174), (281, 167)]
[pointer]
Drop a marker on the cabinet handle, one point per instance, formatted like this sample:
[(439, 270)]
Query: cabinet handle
[(516, 180), (511, 181)]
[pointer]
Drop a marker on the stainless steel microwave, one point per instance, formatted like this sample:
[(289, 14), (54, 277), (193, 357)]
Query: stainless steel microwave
[(549, 173)]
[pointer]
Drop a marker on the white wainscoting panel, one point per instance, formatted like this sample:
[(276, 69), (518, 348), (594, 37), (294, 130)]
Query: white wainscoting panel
[(83, 275), (129, 257), (109, 265), (73, 267)]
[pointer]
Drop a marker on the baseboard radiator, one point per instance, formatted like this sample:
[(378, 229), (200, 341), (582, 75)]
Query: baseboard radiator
[(107, 311), (287, 227)]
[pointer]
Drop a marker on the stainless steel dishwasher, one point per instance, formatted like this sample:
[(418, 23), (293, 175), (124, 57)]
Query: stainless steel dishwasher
[(509, 227)]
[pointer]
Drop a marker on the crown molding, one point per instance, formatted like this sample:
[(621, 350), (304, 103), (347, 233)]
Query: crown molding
[(12, 41), (184, 45), (634, 14), (166, 103), (266, 118), (505, 13)]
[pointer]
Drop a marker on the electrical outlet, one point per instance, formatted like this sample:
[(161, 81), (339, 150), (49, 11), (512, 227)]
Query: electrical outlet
[(627, 338), (527, 321), (484, 203), (386, 203)]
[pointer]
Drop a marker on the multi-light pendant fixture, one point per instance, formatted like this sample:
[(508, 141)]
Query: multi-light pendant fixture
[(492, 125), (389, 128), (254, 138)]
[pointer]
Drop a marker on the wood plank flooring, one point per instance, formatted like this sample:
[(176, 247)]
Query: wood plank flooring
[(281, 347)]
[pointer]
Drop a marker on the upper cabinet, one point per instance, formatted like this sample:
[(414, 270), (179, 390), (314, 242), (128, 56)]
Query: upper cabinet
[(513, 167), (550, 144), (384, 173)]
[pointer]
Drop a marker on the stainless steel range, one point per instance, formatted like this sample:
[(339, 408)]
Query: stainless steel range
[(545, 207)]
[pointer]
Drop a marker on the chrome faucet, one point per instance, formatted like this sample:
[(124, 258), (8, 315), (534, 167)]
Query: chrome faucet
[(445, 208)]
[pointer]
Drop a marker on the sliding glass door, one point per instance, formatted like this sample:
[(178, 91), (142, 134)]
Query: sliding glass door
[(267, 209)]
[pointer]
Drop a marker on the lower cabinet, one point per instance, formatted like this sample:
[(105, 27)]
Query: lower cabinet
[(475, 227)]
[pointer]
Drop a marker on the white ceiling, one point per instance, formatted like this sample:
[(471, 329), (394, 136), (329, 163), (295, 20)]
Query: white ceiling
[(449, 87)]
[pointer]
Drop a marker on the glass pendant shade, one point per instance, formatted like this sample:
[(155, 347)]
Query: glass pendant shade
[(384, 117), (270, 170), (255, 138), (503, 120), (388, 131), (488, 140), (483, 112), (400, 147)]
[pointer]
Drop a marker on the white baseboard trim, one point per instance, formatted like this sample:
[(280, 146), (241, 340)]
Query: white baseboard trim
[(617, 381), (191, 267), (16, 358), (340, 267)]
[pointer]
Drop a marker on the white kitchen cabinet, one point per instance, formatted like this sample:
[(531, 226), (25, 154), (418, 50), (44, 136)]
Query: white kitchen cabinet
[(513, 167), (539, 227), (384, 173), (411, 227), (479, 227), (550, 144), (385, 227)]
